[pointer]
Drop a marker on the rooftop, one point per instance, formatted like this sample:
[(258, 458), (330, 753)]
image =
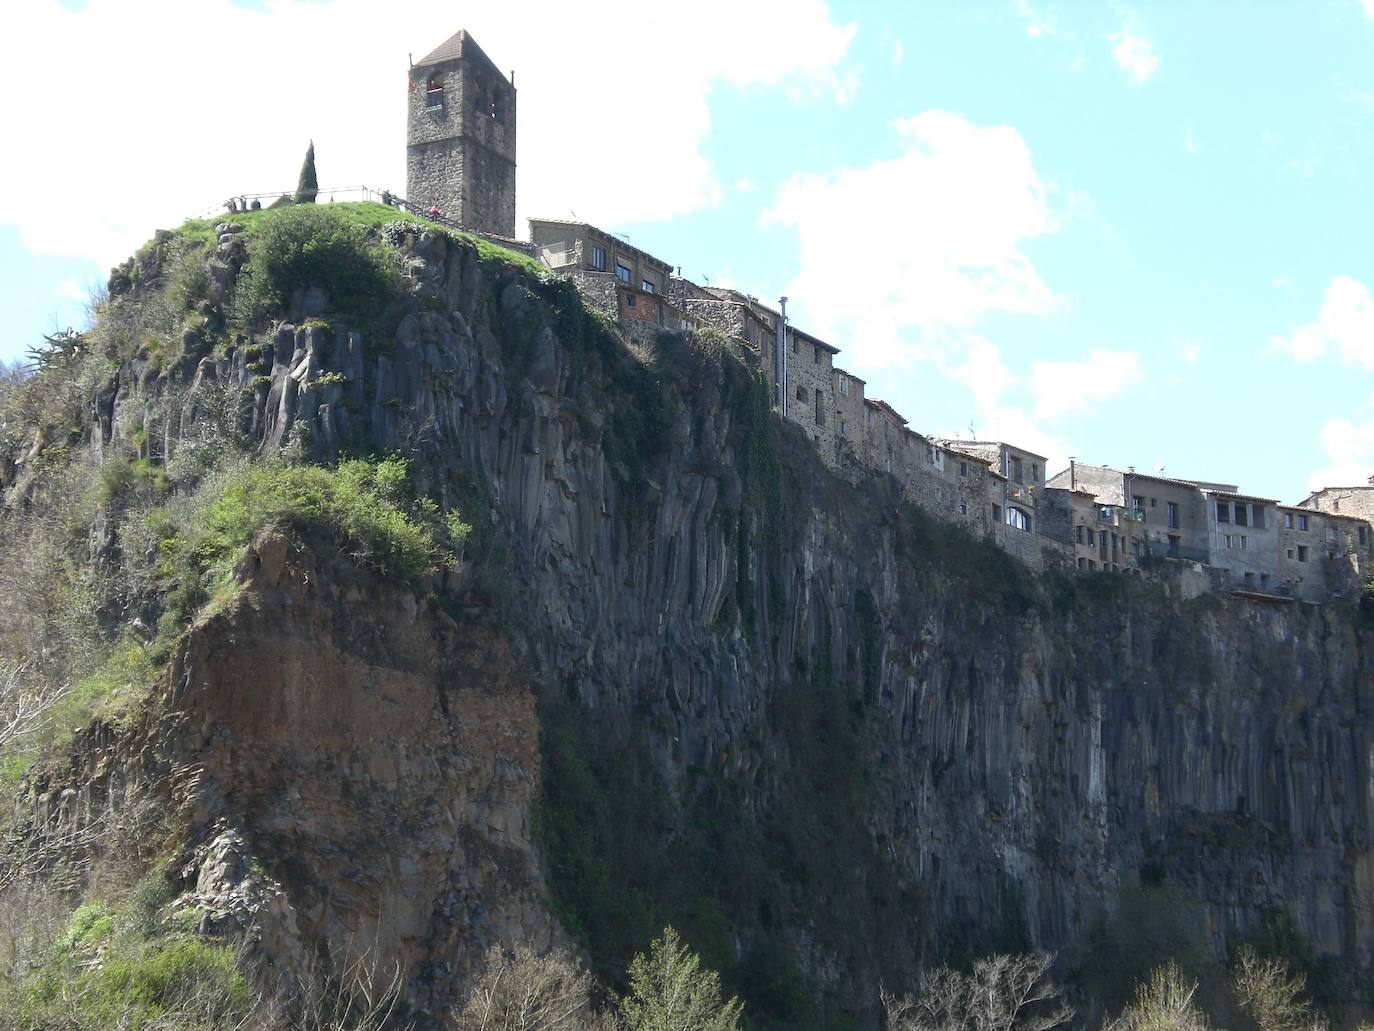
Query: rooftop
[(620, 241), (460, 46)]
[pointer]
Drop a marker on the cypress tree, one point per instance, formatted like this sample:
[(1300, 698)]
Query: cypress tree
[(308, 185)]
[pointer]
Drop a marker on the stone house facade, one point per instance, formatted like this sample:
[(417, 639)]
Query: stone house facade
[(1322, 554), (460, 156), (1351, 501), (1243, 540), (460, 137), (564, 246)]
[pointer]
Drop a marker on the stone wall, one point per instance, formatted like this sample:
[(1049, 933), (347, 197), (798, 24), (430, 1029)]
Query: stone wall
[(460, 153)]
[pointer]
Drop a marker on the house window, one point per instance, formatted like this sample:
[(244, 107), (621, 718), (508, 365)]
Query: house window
[(629, 300), (796, 347), (648, 286), (1035, 473), (1243, 539), (1174, 541), (1362, 533), (1257, 516), (1302, 552), (1136, 549), (622, 272), (801, 393), (872, 419), (1154, 502), (1138, 501), (844, 428), (816, 353), (996, 513), (1302, 522), (1173, 515), (1242, 512), (1078, 533), (1102, 539), (1290, 554), (1223, 511), (963, 508), (820, 412), (1016, 473), (599, 258), (1018, 519), (844, 385), (434, 91), (1288, 523), (963, 468)]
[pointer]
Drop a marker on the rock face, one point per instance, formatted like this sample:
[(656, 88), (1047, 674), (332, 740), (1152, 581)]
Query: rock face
[(685, 579)]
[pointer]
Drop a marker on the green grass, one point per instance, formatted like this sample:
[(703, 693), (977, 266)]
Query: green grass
[(368, 214)]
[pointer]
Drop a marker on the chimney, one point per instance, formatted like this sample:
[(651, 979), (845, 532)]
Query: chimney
[(1073, 477)]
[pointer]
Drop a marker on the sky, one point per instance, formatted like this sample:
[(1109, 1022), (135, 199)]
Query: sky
[(1138, 234)]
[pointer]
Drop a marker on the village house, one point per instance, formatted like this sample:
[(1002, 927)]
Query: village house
[(460, 148), (1243, 540), (623, 281)]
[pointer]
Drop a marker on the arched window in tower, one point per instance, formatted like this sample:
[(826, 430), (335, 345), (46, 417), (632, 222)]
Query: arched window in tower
[(498, 105), (434, 91), (481, 99)]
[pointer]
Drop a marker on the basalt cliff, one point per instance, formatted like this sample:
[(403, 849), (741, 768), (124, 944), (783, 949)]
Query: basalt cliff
[(681, 674)]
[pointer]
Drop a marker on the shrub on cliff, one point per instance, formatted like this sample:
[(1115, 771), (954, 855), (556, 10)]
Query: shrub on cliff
[(670, 991), (315, 246), (364, 508)]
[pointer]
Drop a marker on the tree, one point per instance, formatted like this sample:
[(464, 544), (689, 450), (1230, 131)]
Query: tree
[(308, 185), (669, 991), (1163, 1003), (521, 991), (1004, 993), (1272, 997)]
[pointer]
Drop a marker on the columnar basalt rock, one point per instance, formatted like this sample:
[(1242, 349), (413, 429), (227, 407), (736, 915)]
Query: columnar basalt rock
[(1028, 746)]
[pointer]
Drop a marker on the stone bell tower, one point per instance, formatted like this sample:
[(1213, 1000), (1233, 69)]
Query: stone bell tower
[(460, 137)]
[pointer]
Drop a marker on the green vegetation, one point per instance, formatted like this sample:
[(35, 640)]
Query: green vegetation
[(308, 183), (314, 246), (120, 963), (623, 861), (669, 991), (367, 508), (1151, 925)]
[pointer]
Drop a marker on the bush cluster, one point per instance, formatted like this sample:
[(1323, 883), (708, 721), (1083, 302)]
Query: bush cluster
[(363, 507), (310, 245)]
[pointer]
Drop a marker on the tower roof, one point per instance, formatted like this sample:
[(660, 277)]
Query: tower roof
[(460, 46)]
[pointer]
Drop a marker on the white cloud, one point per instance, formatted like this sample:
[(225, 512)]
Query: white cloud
[(1039, 24), (746, 184), (1345, 324), (1281, 282), (71, 290), (1368, 6), (1190, 141), (1069, 386), (184, 116), (978, 365), (1189, 353), (1349, 448), (894, 254), (898, 52), (1133, 52)]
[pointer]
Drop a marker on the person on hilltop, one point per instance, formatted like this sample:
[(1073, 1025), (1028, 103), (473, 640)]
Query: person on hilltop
[(434, 211)]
